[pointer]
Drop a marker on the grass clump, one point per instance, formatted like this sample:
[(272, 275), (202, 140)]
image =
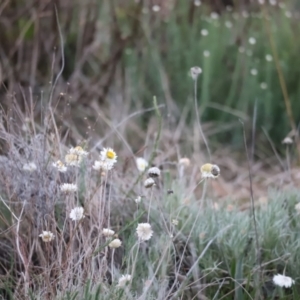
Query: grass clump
[(73, 231)]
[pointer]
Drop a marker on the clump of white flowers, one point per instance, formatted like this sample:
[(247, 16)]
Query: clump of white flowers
[(283, 281), (210, 171), (30, 167), (68, 188), (47, 236), (144, 231), (77, 213)]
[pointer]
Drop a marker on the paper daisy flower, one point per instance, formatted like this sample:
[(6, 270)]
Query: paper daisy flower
[(141, 164), (138, 200), (196, 71), (123, 280), (100, 165), (30, 167), (283, 281), (116, 243), (184, 162), (73, 159), (148, 183), (78, 151), (144, 231), (109, 156), (210, 171), (47, 236), (108, 232), (76, 213), (68, 187), (154, 172), (59, 165)]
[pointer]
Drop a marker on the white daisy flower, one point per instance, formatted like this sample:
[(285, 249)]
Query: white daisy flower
[(78, 150), (287, 141), (141, 164), (204, 32), (68, 187), (77, 213), (123, 280), (108, 232), (195, 72), (138, 200), (73, 159), (283, 281), (210, 171), (116, 243), (206, 53), (214, 16), (269, 57), (228, 24), (197, 2), (175, 222), (60, 166), (100, 165), (144, 231), (184, 162), (30, 167), (263, 86), (109, 156), (47, 236), (156, 8), (252, 41), (253, 72)]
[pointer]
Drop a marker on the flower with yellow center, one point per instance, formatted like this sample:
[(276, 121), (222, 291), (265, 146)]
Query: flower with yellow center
[(210, 171), (109, 156)]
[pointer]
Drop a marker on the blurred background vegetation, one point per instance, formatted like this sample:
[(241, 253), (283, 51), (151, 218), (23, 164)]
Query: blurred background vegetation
[(121, 53)]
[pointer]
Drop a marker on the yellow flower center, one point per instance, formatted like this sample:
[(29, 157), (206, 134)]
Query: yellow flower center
[(206, 168), (110, 154)]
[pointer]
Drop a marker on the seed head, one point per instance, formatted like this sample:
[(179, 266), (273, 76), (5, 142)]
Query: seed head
[(154, 172), (149, 183)]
